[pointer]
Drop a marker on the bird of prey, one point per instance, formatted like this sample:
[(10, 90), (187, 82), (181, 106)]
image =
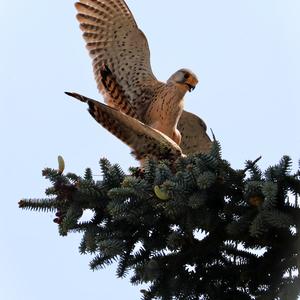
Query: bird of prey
[(138, 102)]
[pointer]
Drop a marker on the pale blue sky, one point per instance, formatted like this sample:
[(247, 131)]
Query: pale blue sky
[(247, 56)]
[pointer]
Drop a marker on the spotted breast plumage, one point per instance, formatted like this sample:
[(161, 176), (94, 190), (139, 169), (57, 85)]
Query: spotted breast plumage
[(121, 64)]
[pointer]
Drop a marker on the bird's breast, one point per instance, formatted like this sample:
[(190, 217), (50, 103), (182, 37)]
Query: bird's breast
[(172, 112)]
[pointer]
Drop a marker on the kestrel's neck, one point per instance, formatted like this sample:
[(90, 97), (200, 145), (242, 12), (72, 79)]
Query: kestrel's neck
[(178, 89)]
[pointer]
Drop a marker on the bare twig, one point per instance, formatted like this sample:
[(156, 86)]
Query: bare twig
[(252, 164)]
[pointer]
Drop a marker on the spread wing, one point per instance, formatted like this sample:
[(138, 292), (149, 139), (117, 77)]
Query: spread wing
[(194, 138), (143, 139), (114, 39)]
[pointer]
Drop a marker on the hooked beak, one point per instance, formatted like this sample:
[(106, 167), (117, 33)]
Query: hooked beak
[(190, 87)]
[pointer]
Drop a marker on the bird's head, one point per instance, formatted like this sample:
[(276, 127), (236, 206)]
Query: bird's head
[(185, 79)]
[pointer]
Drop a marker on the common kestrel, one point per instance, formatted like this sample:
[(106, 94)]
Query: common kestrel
[(121, 63)]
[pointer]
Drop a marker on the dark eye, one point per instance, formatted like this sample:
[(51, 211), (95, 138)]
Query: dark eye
[(186, 75)]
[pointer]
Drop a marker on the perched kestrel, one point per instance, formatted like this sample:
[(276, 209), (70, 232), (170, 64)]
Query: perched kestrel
[(121, 63)]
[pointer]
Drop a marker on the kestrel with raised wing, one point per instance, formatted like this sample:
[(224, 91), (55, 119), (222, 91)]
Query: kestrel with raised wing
[(121, 64)]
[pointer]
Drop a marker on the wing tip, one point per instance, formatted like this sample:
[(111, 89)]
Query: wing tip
[(78, 5)]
